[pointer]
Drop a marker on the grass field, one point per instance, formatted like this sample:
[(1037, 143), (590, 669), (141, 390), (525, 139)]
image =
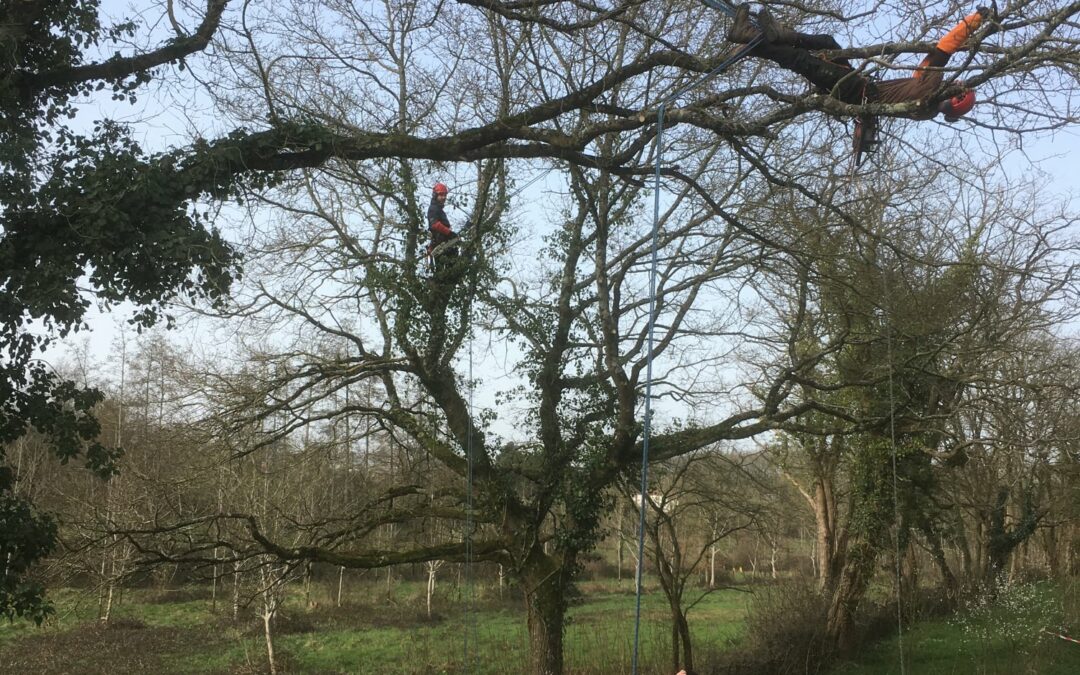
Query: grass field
[(373, 632), (1005, 637), (150, 634), (942, 648)]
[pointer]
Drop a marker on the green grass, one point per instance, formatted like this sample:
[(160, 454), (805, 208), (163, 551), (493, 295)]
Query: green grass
[(598, 638), (383, 631), (72, 608), (389, 632), (1005, 637), (941, 648)]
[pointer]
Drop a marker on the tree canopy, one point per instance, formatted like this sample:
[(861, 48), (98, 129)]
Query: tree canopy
[(331, 120)]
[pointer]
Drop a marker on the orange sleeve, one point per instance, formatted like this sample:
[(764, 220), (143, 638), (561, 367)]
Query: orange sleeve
[(956, 38), (948, 45)]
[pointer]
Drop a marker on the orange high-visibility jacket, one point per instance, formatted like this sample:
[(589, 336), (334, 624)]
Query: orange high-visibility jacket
[(928, 76)]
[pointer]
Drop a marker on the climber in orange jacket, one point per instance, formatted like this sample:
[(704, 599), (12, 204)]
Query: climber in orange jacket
[(794, 51)]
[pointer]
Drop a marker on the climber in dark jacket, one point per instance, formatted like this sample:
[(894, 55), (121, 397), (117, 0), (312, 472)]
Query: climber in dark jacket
[(794, 51), (439, 224)]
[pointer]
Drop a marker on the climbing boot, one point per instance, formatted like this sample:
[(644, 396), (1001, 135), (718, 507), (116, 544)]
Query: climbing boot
[(779, 34), (742, 31), (768, 26)]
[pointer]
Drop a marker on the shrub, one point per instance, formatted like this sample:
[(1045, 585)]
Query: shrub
[(1010, 615), (785, 631)]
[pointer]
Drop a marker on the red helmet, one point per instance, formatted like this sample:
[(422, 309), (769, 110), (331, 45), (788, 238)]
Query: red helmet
[(440, 189), (957, 106)]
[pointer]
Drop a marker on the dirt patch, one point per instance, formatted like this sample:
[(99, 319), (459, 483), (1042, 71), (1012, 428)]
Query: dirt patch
[(123, 647)]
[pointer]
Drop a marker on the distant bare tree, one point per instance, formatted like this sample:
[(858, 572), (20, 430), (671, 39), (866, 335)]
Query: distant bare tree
[(695, 502)]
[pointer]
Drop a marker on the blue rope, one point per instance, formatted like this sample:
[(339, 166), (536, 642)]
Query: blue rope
[(654, 265), (469, 521)]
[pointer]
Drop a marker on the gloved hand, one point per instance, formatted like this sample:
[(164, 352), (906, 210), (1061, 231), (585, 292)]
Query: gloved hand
[(989, 13)]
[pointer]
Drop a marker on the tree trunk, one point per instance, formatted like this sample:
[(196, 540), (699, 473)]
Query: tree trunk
[(432, 569), (1071, 567), (967, 562), (1053, 552), (980, 561), (639, 576), (688, 648), (268, 633), (544, 582), (937, 553), (830, 556), (618, 543), (106, 613), (674, 644), (307, 585), (214, 584), (1002, 541), (236, 591), (852, 585), (270, 607), (682, 651), (910, 570)]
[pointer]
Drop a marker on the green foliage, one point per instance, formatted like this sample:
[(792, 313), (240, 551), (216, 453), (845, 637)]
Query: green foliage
[(25, 538), (112, 213), (82, 215), (42, 38)]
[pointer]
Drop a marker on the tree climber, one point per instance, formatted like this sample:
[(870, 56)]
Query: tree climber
[(439, 225), (793, 50)]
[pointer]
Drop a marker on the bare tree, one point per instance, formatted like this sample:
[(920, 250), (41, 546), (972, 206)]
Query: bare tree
[(695, 502)]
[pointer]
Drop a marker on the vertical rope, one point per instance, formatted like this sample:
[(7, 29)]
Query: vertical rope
[(654, 256), (895, 498), (470, 610), (654, 265)]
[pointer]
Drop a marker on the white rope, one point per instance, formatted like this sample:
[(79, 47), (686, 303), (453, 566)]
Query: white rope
[(896, 500)]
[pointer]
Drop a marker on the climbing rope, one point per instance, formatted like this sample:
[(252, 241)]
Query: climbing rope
[(895, 498), (471, 619), (653, 272), (469, 590)]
